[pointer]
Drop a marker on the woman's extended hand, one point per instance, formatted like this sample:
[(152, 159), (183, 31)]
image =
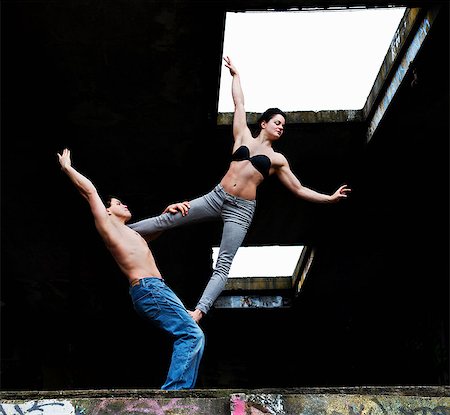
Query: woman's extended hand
[(230, 66), (340, 193)]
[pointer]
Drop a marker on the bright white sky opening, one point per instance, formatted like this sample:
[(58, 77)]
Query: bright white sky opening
[(263, 261), (306, 60)]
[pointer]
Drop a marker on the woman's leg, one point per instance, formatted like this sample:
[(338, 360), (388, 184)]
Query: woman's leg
[(237, 215), (203, 208)]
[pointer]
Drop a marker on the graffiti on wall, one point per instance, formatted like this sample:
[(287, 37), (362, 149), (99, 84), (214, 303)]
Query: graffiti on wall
[(126, 406), (239, 404), (143, 406), (44, 407), (242, 404), (302, 404)]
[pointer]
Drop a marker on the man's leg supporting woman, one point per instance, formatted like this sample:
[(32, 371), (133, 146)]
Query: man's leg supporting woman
[(158, 304)]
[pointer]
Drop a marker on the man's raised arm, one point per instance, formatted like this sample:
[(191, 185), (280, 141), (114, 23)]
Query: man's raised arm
[(84, 186)]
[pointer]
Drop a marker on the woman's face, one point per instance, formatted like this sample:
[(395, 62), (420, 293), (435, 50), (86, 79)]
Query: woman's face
[(275, 126)]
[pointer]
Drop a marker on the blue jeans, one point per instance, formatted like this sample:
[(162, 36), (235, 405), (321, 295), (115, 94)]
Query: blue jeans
[(236, 214), (157, 303)]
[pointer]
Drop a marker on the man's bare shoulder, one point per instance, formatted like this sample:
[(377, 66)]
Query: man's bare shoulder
[(114, 231)]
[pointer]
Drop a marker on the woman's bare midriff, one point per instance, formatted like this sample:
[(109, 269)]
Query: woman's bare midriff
[(242, 180)]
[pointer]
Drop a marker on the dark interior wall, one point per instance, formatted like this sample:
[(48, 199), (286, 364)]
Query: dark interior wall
[(131, 88), (393, 262), (116, 83)]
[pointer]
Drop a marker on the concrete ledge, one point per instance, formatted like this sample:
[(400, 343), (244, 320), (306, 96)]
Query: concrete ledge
[(426, 400), (302, 117), (258, 283)]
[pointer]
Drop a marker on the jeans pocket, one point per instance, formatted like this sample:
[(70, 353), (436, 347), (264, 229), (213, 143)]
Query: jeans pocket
[(146, 303)]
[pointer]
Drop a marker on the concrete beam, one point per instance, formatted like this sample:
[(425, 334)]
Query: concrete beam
[(259, 283), (406, 26), (302, 269), (283, 5), (253, 301), (405, 57), (303, 117)]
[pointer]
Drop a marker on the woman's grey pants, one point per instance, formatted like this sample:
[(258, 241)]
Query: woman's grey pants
[(237, 215)]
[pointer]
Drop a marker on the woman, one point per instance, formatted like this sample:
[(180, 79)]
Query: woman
[(253, 159)]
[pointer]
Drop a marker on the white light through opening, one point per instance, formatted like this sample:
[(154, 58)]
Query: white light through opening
[(263, 261), (306, 60)]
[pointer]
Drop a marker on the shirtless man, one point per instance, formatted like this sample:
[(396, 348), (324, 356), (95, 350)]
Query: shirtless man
[(152, 298)]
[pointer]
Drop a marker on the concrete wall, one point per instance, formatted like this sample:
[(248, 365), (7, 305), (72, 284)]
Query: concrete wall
[(350, 401)]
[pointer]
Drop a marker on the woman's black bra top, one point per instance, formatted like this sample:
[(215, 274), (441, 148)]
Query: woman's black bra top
[(260, 162)]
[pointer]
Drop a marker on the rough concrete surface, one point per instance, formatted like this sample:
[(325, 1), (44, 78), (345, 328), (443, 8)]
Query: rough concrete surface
[(321, 401)]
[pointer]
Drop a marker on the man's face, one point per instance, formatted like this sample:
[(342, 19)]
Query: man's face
[(117, 208)]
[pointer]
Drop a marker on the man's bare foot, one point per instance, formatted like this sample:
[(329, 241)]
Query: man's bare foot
[(196, 315)]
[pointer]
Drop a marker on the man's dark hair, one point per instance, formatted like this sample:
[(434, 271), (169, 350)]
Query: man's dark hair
[(108, 200)]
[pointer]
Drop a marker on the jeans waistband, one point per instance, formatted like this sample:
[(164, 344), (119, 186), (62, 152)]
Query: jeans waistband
[(144, 281), (219, 188)]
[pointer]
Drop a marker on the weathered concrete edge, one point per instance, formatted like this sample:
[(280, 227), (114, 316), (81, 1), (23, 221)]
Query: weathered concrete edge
[(302, 117), (403, 32), (428, 391)]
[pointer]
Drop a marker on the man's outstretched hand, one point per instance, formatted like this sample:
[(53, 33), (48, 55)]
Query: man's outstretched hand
[(64, 159)]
